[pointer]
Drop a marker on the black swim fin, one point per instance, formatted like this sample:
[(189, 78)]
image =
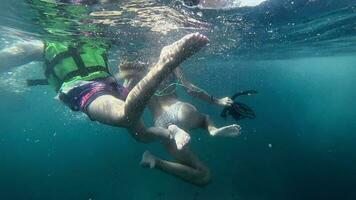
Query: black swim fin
[(239, 110)]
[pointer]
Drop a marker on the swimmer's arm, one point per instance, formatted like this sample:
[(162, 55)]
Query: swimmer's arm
[(194, 90), (20, 53)]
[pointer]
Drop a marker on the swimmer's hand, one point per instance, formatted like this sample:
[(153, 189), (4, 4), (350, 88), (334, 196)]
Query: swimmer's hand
[(226, 101)]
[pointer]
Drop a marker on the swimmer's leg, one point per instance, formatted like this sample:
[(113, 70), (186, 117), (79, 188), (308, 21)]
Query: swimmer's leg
[(107, 109), (180, 137), (190, 118), (113, 111), (226, 131), (189, 168), (104, 109), (110, 110), (171, 56), (173, 133)]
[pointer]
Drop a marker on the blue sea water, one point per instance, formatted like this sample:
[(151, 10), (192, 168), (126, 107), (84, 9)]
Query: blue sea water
[(299, 55)]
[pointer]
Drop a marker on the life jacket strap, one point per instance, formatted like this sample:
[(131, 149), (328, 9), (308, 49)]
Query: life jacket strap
[(36, 82), (82, 69), (88, 70), (50, 65)]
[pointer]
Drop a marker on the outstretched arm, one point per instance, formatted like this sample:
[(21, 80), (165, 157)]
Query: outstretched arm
[(195, 91), (20, 53)]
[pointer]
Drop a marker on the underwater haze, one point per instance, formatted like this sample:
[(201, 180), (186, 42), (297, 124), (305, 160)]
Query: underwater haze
[(300, 55)]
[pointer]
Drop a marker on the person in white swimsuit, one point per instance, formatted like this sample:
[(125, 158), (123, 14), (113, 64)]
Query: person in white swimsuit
[(171, 113)]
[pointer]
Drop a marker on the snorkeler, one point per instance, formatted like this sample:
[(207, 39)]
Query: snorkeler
[(109, 108), (87, 85), (76, 66), (169, 110)]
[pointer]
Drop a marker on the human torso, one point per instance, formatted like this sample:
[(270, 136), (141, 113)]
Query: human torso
[(164, 97)]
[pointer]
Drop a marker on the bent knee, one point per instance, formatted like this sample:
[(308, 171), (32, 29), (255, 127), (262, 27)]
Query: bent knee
[(204, 178)]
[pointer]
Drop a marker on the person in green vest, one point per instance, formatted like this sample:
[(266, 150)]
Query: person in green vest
[(75, 65), (99, 96)]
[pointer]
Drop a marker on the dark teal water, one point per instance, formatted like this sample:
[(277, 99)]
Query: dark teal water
[(300, 146)]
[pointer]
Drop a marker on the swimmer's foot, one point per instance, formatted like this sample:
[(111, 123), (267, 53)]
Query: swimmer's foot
[(227, 131), (148, 160), (180, 137), (176, 53)]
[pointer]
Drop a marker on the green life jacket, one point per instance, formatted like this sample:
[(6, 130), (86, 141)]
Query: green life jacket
[(70, 53), (65, 63)]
